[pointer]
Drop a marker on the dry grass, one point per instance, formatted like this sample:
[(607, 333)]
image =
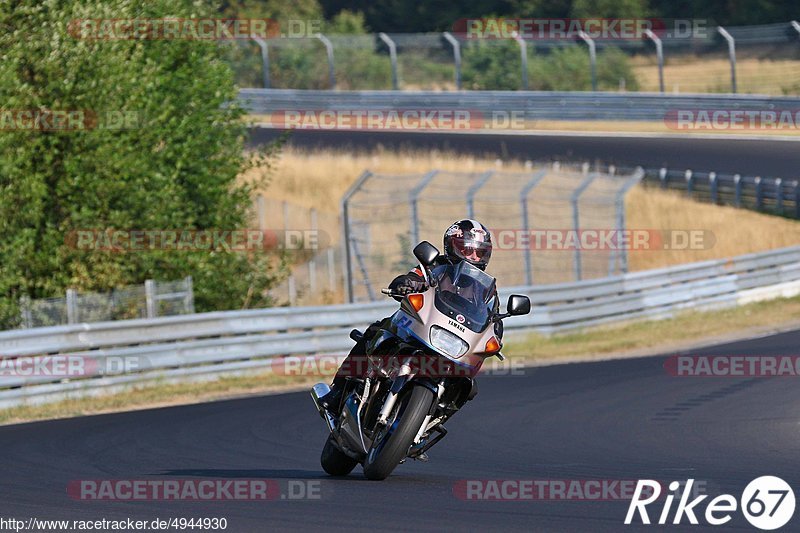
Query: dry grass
[(319, 180), (695, 74), (736, 231)]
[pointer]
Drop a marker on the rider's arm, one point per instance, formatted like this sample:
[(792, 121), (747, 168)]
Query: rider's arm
[(408, 283)]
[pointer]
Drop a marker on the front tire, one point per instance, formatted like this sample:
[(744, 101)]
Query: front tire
[(387, 453), (334, 461)]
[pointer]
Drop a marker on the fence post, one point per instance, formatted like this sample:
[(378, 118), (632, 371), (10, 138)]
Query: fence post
[(779, 196), (659, 55), (523, 52), (188, 300), (619, 204), (662, 177), (759, 199), (329, 51), (523, 198), (413, 197), (474, 190), (25, 311), (312, 263), (592, 57), (72, 306), (712, 185), (576, 220), (456, 56), (392, 57), (264, 59), (688, 177), (331, 270), (150, 298), (348, 262), (292, 286), (731, 54), (737, 181), (261, 212)]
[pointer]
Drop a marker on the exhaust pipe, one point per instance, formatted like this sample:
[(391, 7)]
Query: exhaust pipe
[(318, 391)]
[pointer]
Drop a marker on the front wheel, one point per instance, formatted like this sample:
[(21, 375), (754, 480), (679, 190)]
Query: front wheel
[(334, 461), (391, 446)]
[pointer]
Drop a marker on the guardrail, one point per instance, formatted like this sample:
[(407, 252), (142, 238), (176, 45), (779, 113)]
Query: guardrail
[(527, 105), (211, 345)]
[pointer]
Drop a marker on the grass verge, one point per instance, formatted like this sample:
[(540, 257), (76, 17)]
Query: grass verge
[(683, 331)]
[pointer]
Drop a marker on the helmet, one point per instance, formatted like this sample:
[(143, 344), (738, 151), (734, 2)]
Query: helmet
[(470, 241)]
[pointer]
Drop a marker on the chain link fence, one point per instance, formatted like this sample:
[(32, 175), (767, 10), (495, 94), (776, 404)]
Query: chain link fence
[(750, 59), (150, 300), (385, 215)]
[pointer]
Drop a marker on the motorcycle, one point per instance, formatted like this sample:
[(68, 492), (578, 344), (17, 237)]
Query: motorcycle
[(421, 365)]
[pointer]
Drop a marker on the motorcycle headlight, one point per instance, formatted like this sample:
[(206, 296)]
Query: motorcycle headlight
[(451, 344)]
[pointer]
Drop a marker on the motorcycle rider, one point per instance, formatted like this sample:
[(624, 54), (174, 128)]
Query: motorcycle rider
[(465, 240)]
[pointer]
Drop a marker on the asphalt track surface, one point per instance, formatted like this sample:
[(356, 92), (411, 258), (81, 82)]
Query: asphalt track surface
[(615, 420), (751, 157)]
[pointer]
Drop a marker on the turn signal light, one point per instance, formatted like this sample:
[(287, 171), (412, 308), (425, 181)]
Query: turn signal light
[(416, 301), (492, 345)]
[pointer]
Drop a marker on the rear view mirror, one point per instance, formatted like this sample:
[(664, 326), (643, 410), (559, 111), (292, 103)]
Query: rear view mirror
[(426, 253), (518, 304)]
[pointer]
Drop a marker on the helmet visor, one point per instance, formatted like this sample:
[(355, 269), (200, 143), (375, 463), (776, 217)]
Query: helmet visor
[(472, 250)]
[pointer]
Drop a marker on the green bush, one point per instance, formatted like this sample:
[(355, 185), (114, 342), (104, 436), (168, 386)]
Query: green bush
[(176, 167)]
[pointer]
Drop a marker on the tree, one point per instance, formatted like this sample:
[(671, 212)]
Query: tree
[(174, 166)]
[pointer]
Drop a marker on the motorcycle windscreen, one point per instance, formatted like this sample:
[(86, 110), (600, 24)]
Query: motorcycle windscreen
[(467, 291)]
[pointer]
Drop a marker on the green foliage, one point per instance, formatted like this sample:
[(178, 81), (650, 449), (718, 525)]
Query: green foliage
[(175, 168), (497, 67)]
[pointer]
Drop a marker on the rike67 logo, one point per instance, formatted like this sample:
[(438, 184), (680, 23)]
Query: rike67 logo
[(767, 503)]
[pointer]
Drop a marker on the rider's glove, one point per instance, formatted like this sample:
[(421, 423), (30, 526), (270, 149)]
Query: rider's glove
[(411, 286)]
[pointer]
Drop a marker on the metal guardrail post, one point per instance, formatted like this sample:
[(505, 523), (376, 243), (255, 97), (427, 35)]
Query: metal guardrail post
[(737, 182), (413, 197), (474, 190), (150, 298), (188, 300), (72, 306), (713, 186), (759, 194), (592, 57), (264, 59), (576, 220), (659, 55), (796, 199), (662, 177), (731, 53), (526, 226), (689, 182), (456, 56), (523, 52), (779, 196), (329, 50), (392, 57), (348, 262)]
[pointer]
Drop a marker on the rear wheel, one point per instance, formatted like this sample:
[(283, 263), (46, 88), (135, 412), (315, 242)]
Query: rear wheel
[(392, 444), (334, 461)]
